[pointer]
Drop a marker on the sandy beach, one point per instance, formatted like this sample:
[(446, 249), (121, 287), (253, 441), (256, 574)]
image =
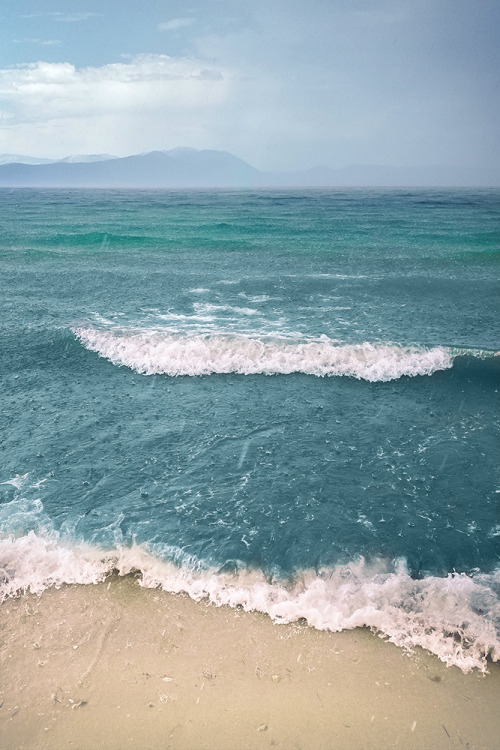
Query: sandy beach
[(114, 665)]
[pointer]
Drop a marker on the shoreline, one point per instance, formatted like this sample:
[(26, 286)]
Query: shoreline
[(114, 665)]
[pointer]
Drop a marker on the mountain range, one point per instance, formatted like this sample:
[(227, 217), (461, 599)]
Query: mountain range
[(192, 168)]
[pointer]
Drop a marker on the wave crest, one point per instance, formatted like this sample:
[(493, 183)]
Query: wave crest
[(152, 352)]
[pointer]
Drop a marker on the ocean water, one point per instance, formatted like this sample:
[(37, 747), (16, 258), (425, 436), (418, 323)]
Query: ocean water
[(284, 400)]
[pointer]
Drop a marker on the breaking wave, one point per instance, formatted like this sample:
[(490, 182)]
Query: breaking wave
[(457, 617), (152, 352)]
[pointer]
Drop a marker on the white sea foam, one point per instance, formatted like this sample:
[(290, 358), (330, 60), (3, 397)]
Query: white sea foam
[(159, 352), (16, 481), (208, 307), (34, 562), (456, 618)]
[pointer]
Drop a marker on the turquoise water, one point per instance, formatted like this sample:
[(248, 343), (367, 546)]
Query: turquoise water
[(285, 400)]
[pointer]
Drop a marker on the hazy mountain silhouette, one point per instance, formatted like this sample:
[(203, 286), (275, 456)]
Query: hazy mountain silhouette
[(187, 167), (177, 168)]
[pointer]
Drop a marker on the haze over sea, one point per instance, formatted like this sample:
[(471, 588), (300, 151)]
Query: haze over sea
[(286, 400)]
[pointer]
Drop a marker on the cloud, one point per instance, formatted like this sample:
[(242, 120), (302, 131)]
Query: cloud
[(152, 99), (47, 90), (42, 42), (63, 17), (176, 23)]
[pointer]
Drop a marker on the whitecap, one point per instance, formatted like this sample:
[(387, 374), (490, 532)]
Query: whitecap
[(155, 352)]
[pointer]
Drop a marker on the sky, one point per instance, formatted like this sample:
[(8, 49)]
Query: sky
[(283, 84)]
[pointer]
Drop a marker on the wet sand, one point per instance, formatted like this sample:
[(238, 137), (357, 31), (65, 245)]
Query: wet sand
[(115, 666)]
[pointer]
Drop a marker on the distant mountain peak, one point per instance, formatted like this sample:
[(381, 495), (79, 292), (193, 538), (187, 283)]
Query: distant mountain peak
[(78, 158), (181, 151)]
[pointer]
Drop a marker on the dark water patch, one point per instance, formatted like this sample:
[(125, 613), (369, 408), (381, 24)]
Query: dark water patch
[(482, 370), (481, 254), (74, 242)]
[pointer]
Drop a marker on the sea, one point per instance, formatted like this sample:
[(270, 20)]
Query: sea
[(282, 400)]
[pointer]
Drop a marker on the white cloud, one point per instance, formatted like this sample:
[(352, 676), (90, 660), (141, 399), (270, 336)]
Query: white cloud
[(63, 17), (47, 90), (74, 17), (150, 100), (42, 42), (176, 23)]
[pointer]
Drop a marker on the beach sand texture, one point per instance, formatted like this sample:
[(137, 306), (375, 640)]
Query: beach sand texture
[(115, 665)]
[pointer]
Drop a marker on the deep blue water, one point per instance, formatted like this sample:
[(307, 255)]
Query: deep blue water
[(282, 383)]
